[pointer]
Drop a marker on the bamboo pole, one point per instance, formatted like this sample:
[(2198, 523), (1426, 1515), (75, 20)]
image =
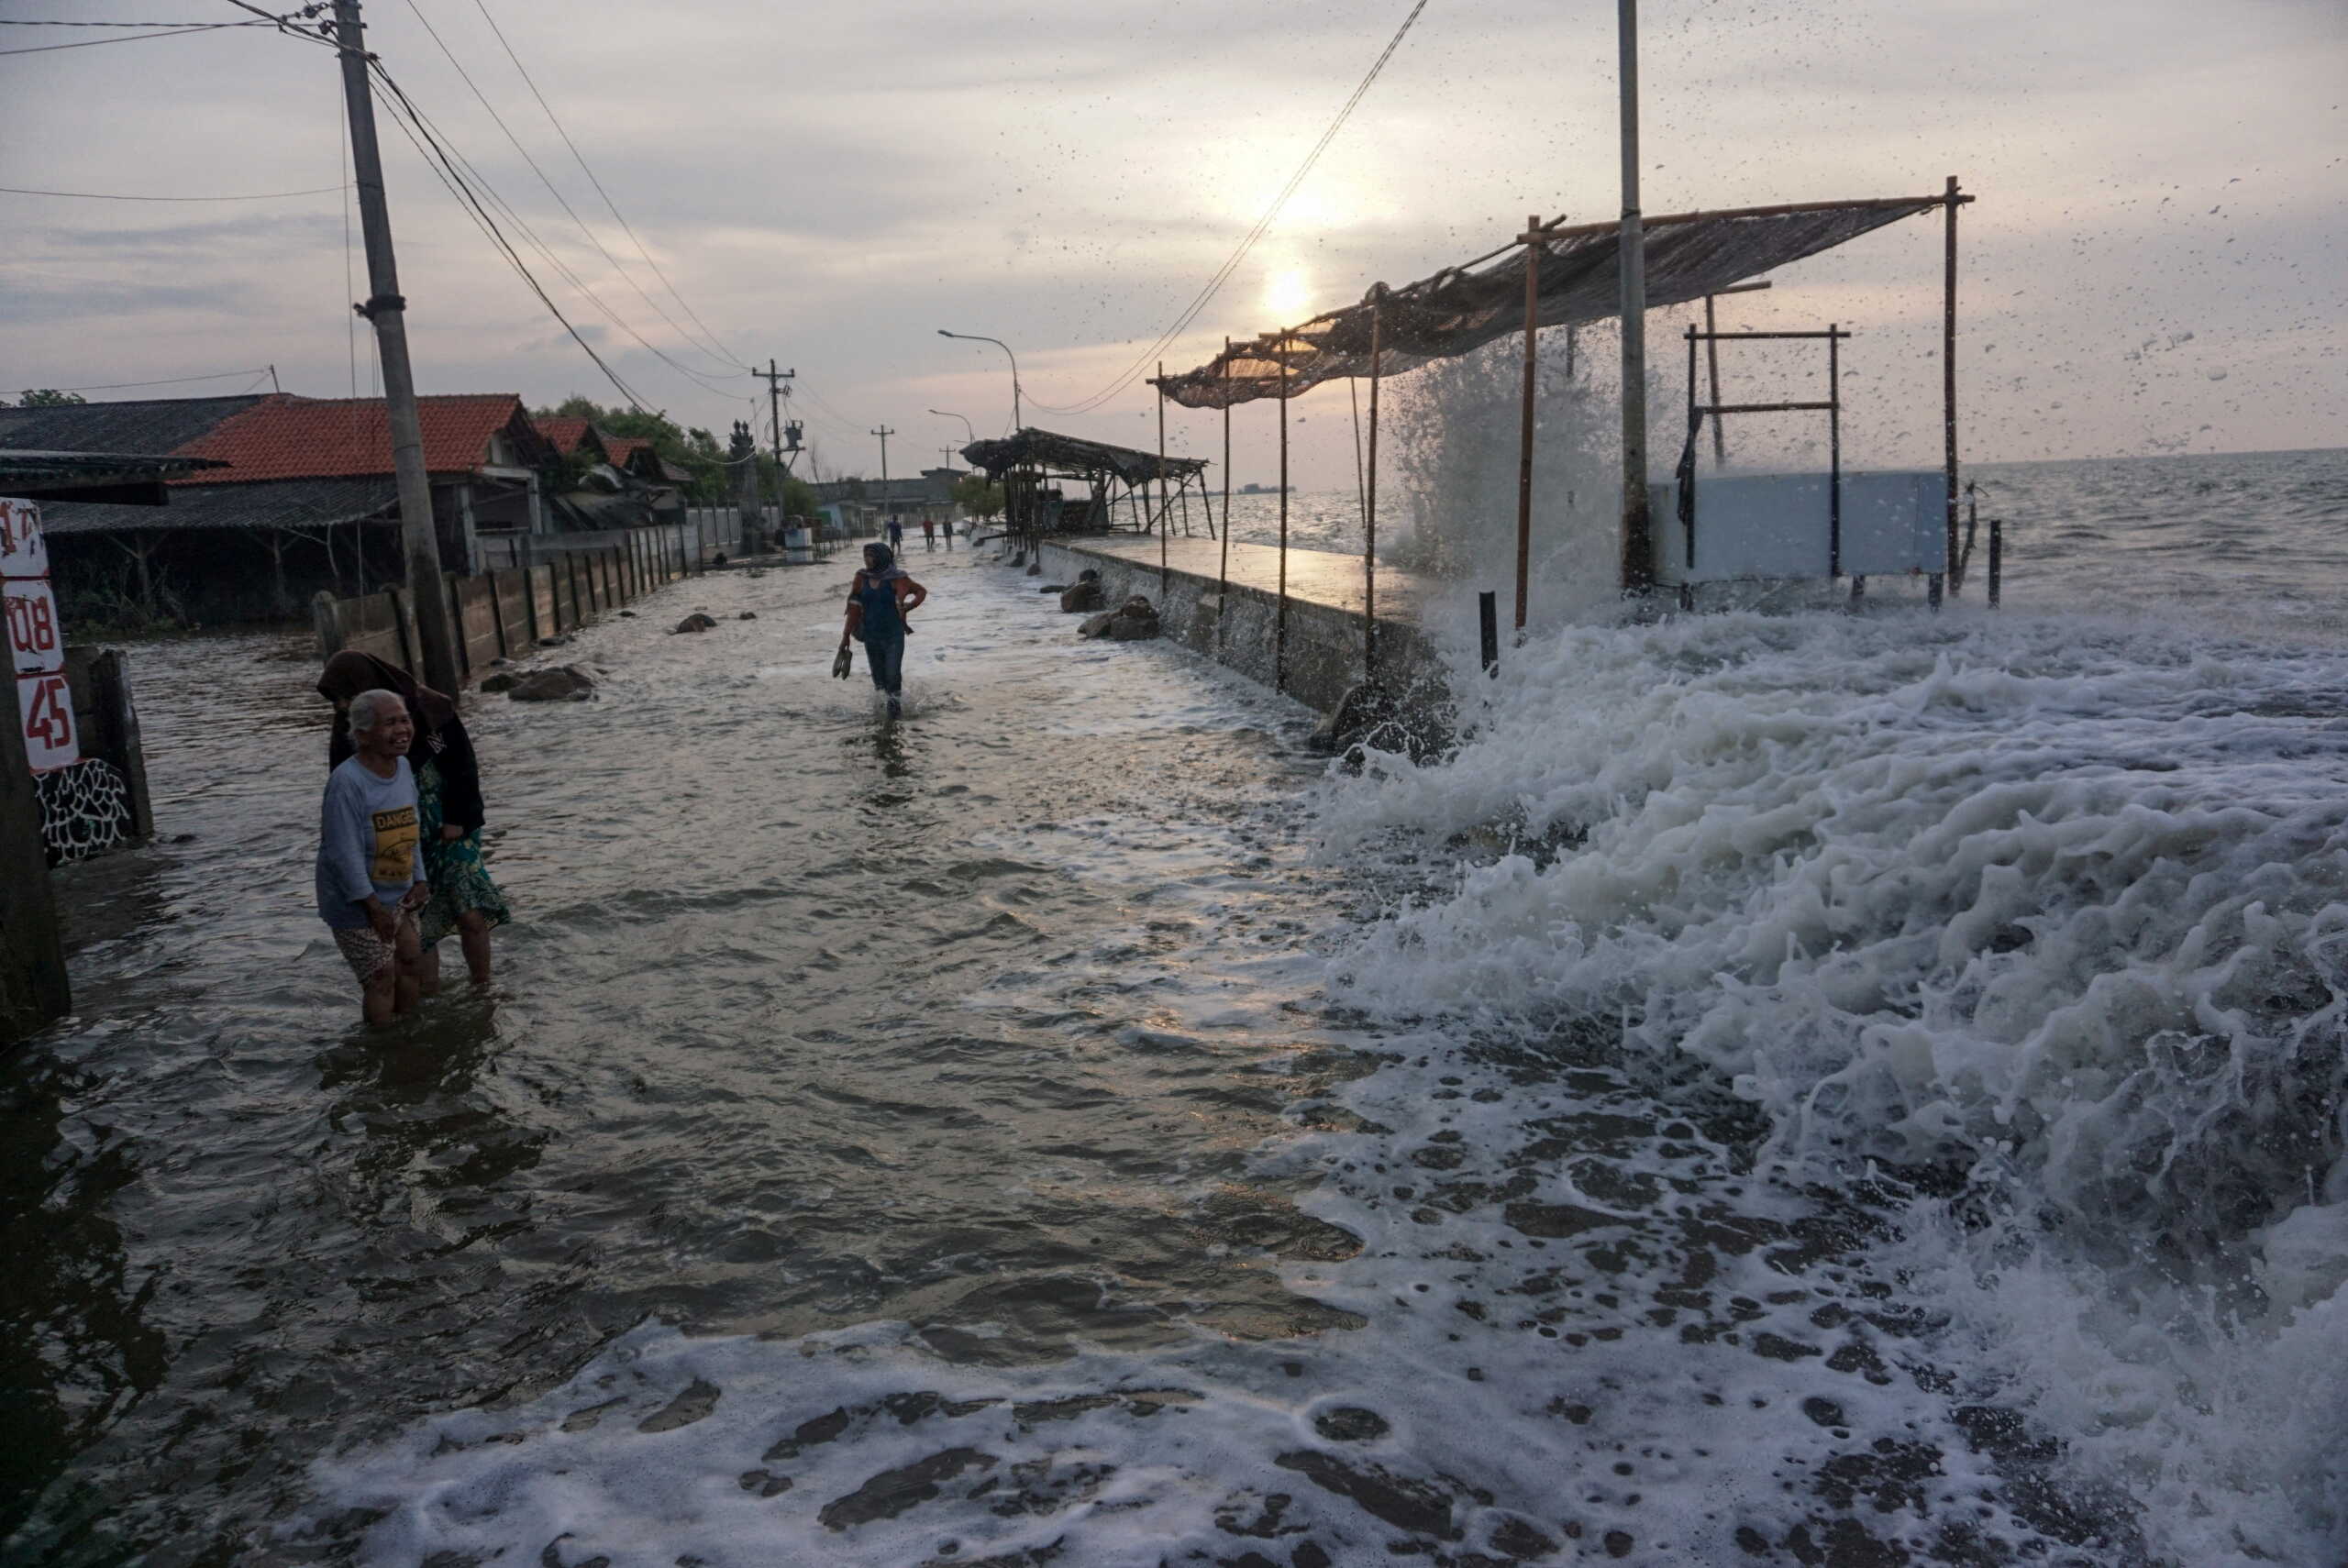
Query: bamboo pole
[(1532, 238), (1162, 530), (1369, 514), (1948, 382), (1222, 573), (1279, 628), (1712, 357)]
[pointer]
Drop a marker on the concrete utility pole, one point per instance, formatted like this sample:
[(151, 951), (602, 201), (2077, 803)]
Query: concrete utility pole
[(32, 960), (775, 394), (884, 433), (385, 309), (1638, 546)]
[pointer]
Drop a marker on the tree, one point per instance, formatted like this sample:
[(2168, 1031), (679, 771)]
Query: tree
[(694, 451), (977, 496), (50, 397)]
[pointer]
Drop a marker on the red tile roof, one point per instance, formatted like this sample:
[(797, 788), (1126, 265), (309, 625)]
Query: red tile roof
[(620, 449), (284, 436), (566, 434)]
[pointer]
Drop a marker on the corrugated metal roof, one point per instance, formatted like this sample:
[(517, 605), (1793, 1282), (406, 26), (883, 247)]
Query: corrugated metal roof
[(284, 504), (138, 424)]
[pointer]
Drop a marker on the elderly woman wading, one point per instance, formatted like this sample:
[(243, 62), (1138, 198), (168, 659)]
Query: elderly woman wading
[(449, 810), (370, 876)]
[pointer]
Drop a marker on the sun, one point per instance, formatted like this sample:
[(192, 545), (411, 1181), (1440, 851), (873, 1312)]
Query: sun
[(1287, 296)]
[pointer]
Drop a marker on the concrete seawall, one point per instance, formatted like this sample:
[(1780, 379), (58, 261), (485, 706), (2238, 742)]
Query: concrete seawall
[(1238, 625)]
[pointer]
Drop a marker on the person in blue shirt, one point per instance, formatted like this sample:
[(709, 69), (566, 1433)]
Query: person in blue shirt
[(880, 601), (371, 879)]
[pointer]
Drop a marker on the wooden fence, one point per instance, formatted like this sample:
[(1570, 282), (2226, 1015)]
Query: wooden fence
[(503, 614)]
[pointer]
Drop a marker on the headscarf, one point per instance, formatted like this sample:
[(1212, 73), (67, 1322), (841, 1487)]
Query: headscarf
[(349, 672), (885, 566)]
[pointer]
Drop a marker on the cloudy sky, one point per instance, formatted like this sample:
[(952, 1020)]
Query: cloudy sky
[(2155, 262)]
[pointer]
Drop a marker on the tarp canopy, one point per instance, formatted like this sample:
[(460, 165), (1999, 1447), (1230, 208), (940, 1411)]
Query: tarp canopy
[(1688, 255), (1075, 456)]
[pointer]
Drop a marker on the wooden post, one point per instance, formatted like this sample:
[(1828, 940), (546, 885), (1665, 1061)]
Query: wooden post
[(326, 620), (1948, 382), (1369, 511), (1638, 526), (1162, 519), (1279, 628), (1222, 573), (118, 737), (1532, 239), (1713, 356)]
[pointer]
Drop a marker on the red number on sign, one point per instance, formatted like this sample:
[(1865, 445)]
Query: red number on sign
[(32, 624), (51, 721)]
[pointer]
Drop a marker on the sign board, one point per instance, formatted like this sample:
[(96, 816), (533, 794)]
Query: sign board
[(45, 711), (36, 640), (1761, 527), (22, 551)]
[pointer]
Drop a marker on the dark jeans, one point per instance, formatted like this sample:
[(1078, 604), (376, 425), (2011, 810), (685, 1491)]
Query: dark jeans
[(885, 657)]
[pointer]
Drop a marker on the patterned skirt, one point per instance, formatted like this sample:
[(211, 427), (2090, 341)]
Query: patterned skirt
[(459, 875)]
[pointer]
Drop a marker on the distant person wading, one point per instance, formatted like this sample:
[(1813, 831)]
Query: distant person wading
[(450, 812), (879, 603)]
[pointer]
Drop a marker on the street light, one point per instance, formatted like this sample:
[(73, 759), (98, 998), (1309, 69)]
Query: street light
[(973, 434), (974, 337)]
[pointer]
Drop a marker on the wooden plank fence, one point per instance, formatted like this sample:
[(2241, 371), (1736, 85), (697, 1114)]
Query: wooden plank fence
[(501, 614)]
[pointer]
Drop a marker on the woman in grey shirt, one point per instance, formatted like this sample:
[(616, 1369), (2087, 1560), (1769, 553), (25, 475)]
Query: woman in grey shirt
[(370, 867)]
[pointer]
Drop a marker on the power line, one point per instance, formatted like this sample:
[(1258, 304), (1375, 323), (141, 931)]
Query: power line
[(109, 197), (174, 31), (1214, 284), (721, 351), (166, 381), (472, 179), (499, 119), (413, 126), (46, 22)]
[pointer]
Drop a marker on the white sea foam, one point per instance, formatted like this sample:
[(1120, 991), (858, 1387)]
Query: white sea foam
[(2057, 904)]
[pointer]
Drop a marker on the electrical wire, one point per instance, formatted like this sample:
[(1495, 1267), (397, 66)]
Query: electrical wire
[(109, 197), (1222, 275), (474, 180), (173, 32), (166, 381), (499, 119), (443, 166), (717, 348)]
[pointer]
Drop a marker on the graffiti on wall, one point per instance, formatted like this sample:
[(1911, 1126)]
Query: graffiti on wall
[(84, 809)]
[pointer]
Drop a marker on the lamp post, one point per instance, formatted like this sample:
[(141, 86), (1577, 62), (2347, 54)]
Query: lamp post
[(975, 337), (966, 431)]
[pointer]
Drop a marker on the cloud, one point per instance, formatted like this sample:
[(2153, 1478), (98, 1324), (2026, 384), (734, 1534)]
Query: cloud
[(831, 187)]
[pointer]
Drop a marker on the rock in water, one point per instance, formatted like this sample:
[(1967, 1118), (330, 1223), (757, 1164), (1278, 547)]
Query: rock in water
[(748, 615), (502, 680), (1085, 595), (563, 683), (1131, 621), (696, 622)]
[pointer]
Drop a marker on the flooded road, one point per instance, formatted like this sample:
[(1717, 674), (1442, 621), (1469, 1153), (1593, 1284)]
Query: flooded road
[(804, 1018)]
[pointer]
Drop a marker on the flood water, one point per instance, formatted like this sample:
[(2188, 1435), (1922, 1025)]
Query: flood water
[(804, 1018), (1858, 1090)]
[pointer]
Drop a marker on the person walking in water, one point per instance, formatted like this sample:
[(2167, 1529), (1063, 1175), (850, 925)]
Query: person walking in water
[(896, 534), (371, 879), (929, 534), (880, 603), (450, 812)]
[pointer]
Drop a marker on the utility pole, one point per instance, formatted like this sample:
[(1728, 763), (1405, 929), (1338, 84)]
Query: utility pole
[(387, 311), (884, 433), (1631, 258), (776, 392)]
